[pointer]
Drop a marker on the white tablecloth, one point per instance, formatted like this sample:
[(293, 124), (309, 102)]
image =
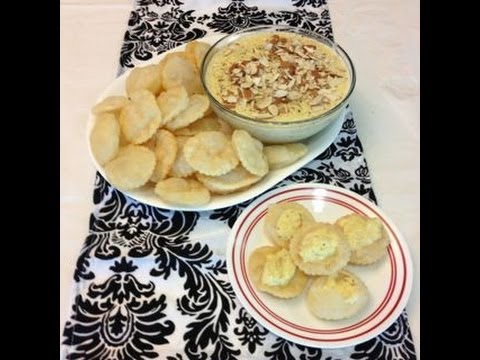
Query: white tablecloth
[(383, 41)]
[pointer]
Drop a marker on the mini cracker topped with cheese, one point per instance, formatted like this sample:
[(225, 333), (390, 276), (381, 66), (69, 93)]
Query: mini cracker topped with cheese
[(273, 271), (344, 285), (319, 249), (310, 257), (287, 223), (360, 230), (366, 237), (284, 220), (319, 245), (279, 269), (337, 296)]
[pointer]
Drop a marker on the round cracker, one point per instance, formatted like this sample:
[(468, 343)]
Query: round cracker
[(182, 191), (110, 104), (181, 168), (250, 152), (172, 102), (327, 300), (141, 118), (235, 180), (144, 78), (195, 51), (207, 123), (279, 156), (256, 263), (370, 253), (176, 69), (196, 108), (165, 153), (331, 264), (132, 167), (210, 153), (105, 138), (280, 236), (366, 237)]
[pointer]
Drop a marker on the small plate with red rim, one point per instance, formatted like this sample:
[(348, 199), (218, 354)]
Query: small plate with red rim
[(389, 281)]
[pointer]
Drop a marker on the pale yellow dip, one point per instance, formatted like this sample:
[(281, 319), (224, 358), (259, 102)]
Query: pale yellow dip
[(278, 76)]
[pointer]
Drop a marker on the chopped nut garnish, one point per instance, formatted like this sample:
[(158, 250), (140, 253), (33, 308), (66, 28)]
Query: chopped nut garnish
[(231, 99), (273, 109), (316, 100), (263, 103), (280, 93), (309, 48), (282, 75), (294, 95), (247, 94), (251, 68)]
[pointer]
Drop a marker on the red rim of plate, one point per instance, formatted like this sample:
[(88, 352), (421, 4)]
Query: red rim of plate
[(374, 323)]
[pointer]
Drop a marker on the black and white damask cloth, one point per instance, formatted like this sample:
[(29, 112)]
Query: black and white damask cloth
[(152, 283)]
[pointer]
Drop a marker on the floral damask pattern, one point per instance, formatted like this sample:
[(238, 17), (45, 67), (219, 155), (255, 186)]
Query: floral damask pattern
[(237, 16), (120, 318), (394, 343), (152, 32), (250, 333)]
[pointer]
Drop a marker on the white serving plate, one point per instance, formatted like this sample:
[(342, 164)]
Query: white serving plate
[(316, 145)]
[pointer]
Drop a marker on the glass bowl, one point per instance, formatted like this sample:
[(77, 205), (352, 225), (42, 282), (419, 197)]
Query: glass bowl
[(271, 131)]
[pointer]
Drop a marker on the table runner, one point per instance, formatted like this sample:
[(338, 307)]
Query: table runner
[(152, 283)]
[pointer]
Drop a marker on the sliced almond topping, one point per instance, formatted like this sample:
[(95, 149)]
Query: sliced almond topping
[(309, 48), (247, 83), (273, 109), (301, 53), (242, 102), (280, 93), (251, 68), (316, 100), (294, 95), (284, 71), (231, 99), (263, 115), (286, 64), (275, 77), (263, 103), (285, 57), (257, 80), (282, 100), (247, 94), (236, 71), (263, 60)]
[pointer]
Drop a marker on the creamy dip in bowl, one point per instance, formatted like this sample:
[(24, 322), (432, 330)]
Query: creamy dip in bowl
[(281, 84)]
